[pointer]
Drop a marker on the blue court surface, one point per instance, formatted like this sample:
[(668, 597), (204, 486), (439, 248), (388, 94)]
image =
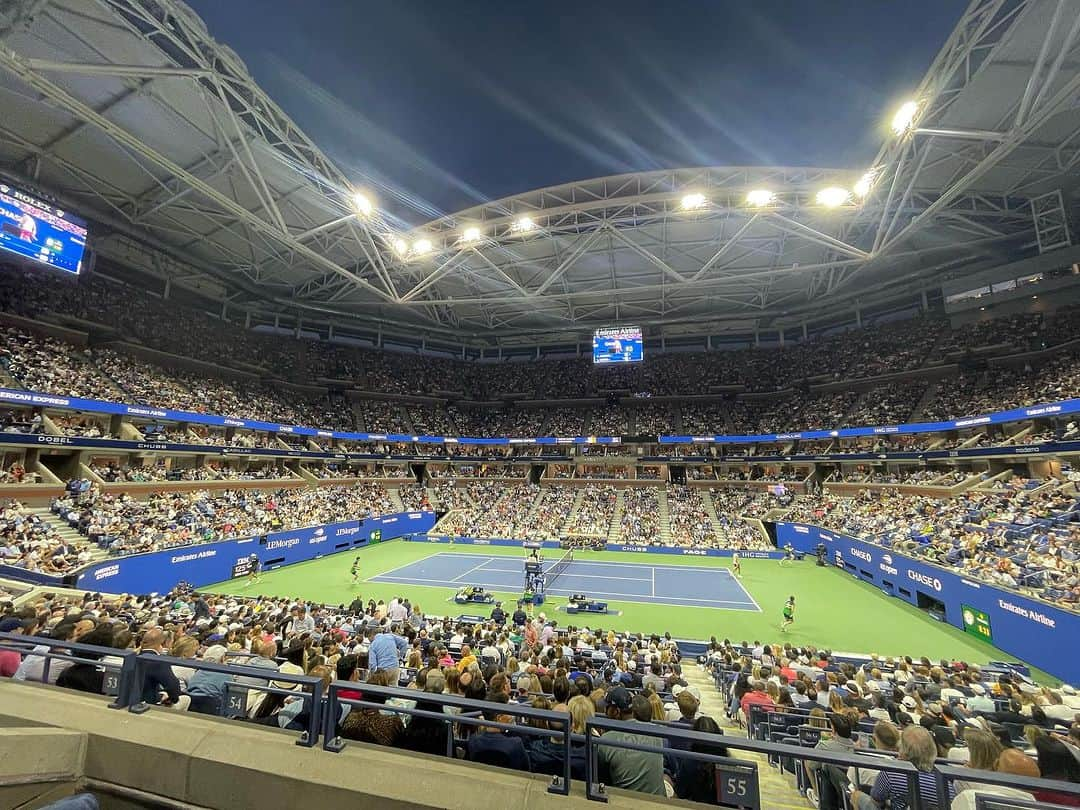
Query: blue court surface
[(682, 585)]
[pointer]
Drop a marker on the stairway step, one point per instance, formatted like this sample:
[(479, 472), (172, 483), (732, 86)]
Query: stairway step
[(777, 789)]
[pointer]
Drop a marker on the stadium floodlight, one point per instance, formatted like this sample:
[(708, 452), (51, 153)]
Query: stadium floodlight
[(401, 247), (523, 225), (865, 183), (760, 197), (362, 203), (421, 246), (832, 197), (904, 118), (471, 234), (692, 202)]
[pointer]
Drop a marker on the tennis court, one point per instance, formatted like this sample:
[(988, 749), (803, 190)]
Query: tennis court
[(687, 586)]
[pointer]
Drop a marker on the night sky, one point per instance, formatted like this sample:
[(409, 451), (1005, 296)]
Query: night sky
[(441, 105)]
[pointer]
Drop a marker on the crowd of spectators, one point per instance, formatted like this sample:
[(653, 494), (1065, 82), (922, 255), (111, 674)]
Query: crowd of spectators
[(509, 660), (49, 365), (594, 512), (30, 542), (499, 509), (1018, 537), (124, 524), (549, 517), (998, 389), (640, 521), (919, 709), (691, 524), (915, 710)]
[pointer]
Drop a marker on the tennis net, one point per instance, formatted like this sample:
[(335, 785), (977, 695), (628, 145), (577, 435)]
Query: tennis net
[(557, 568)]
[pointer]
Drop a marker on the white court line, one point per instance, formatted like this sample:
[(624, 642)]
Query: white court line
[(747, 594), (653, 580), (569, 572), (717, 569), (474, 568), (600, 562), (624, 597)]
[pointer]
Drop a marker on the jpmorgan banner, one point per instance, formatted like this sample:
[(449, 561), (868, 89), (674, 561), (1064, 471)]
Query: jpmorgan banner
[(1033, 631), (206, 563)]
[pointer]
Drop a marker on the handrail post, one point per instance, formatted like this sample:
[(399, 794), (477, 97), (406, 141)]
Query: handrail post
[(594, 788), (561, 784), (136, 705), (125, 692), (331, 740), (310, 735)]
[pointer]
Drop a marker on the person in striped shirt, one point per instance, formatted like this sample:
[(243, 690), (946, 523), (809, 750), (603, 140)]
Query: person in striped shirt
[(917, 747)]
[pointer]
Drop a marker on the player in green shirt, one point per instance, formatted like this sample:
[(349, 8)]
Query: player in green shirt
[(789, 614)]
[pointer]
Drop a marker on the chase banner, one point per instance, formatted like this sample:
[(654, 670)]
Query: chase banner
[(1033, 631)]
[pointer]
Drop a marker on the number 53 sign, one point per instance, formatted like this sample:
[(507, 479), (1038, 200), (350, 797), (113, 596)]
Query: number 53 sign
[(737, 784)]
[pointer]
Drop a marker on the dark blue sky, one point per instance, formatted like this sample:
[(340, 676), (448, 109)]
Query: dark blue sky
[(445, 104)]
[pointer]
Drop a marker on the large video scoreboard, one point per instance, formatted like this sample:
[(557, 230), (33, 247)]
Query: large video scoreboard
[(618, 344), (40, 231)]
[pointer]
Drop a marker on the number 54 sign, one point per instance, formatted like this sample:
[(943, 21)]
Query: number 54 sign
[(737, 784)]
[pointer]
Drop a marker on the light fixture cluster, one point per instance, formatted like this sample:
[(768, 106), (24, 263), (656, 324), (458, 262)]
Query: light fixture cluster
[(471, 235), (903, 122), (831, 197)]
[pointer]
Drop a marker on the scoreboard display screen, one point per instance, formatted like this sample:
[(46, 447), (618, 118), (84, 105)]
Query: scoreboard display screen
[(977, 623), (618, 344), (40, 231)]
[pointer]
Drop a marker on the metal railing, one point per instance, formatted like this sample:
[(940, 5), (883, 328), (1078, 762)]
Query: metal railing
[(125, 676), (305, 687), (471, 716), (947, 775), (741, 774), (72, 652)]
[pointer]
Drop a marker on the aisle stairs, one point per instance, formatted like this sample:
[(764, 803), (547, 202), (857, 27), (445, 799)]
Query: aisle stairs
[(777, 789), (615, 527), (710, 510), (665, 517)]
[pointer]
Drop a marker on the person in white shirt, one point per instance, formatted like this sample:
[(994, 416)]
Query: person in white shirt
[(1010, 761), (397, 612)]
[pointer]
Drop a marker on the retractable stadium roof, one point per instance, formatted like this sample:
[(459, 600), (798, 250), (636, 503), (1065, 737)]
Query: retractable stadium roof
[(129, 112)]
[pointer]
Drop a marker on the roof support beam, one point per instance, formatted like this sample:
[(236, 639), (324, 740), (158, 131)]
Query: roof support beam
[(576, 253), (62, 98), (649, 257), (120, 71)]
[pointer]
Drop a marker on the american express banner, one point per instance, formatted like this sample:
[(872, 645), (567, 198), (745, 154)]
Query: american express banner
[(205, 563), (37, 399)]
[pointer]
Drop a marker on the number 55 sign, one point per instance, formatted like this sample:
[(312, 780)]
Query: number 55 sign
[(737, 784)]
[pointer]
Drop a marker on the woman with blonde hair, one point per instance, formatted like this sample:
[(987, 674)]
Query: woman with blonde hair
[(531, 683), (984, 749), (836, 703), (546, 753), (184, 647), (860, 679), (657, 704)]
